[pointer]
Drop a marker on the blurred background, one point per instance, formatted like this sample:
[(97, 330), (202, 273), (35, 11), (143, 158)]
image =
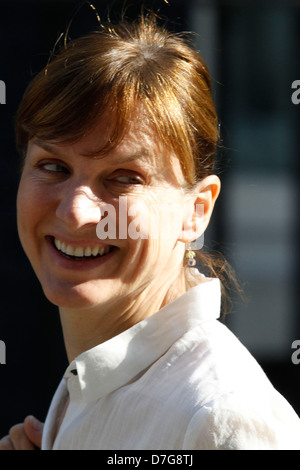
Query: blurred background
[(252, 49)]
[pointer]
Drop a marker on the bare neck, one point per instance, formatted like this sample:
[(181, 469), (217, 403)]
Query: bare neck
[(85, 328)]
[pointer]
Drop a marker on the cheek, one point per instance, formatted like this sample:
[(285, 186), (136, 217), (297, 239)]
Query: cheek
[(31, 206), (24, 215), (139, 222), (158, 221), (23, 203)]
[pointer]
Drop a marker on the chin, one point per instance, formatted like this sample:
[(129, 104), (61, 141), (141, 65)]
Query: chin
[(75, 297)]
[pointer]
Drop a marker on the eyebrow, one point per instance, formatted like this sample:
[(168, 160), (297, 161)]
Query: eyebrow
[(138, 154)]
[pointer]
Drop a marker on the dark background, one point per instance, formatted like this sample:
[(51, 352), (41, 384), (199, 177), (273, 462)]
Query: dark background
[(252, 49)]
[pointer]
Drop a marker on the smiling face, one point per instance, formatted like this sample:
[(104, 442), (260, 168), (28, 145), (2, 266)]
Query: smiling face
[(63, 190)]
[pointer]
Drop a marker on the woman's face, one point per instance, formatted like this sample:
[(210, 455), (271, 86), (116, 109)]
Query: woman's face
[(67, 196)]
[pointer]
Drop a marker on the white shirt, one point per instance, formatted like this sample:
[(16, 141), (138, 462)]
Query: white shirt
[(178, 380)]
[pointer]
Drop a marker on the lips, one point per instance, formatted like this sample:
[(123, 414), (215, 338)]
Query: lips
[(80, 252)]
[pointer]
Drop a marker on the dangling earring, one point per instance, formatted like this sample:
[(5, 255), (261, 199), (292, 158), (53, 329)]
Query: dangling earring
[(190, 256)]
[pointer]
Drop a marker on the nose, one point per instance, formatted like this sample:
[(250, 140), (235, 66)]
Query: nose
[(78, 207)]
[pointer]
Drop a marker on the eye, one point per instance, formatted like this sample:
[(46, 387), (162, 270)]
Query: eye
[(125, 177), (128, 179), (52, 167)]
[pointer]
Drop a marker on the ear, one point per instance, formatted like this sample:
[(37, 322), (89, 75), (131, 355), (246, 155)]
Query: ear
[(199, 208)]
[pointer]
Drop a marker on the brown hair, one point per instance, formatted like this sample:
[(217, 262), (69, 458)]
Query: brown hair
[(115, 68)]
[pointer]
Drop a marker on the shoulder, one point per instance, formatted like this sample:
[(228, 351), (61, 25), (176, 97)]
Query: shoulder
[(234, 404), (215, 362), (230, 422)]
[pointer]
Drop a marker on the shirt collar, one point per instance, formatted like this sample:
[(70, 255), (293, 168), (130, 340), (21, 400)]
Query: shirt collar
[(114, 363)]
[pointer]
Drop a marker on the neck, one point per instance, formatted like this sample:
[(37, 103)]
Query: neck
[(85, 328)]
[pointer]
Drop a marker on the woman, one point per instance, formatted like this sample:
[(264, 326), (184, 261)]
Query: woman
[(118, 136)]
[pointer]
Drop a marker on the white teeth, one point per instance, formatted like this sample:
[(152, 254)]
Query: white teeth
[(57, 243), (95, 250), (79, 251), (70, 251), (88, 251)]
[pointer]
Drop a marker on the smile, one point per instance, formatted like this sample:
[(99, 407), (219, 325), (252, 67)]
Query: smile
[(80, 252)]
